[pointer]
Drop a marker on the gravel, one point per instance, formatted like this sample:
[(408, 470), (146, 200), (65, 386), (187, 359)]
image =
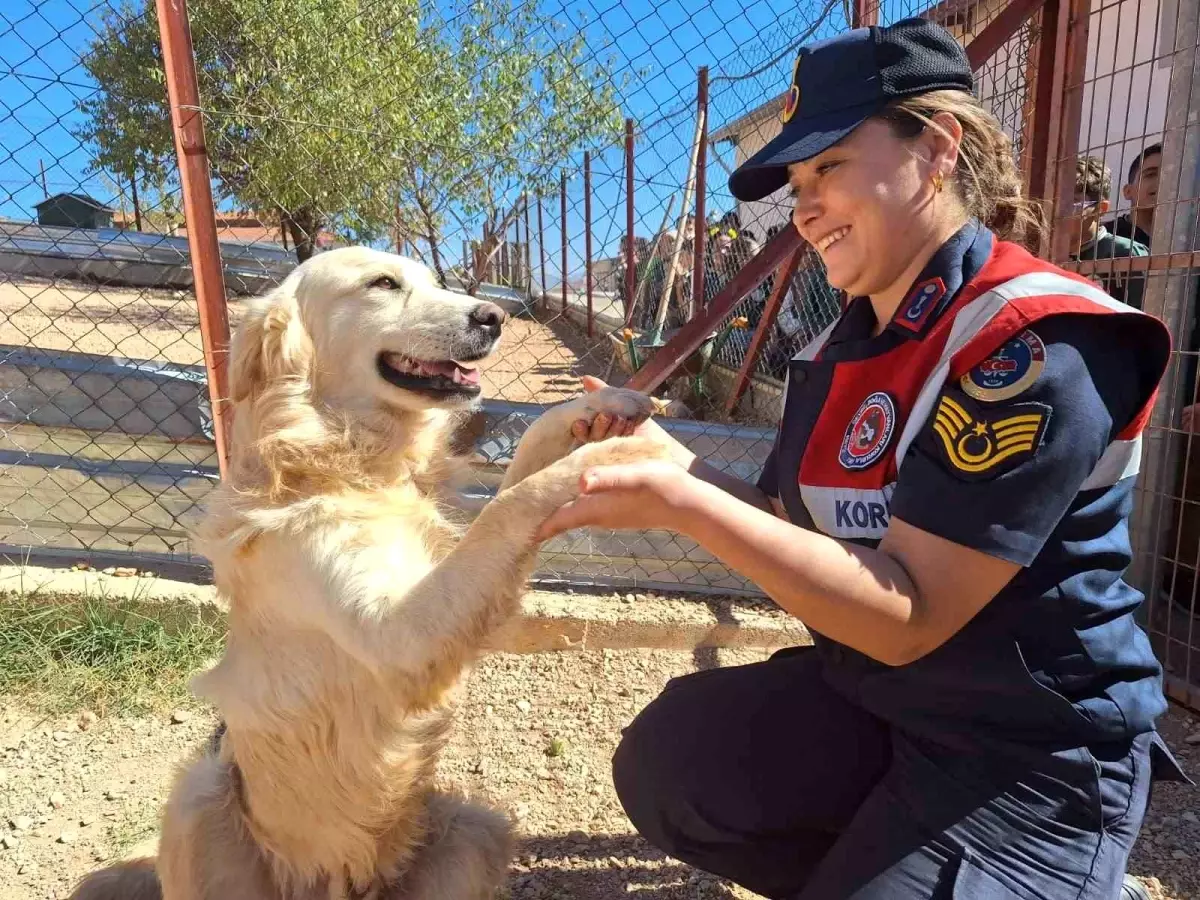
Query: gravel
[(547, 765)]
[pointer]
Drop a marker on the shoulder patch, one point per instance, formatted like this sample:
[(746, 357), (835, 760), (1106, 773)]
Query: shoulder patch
[(920, 303), (977, 442), (1009, 371)]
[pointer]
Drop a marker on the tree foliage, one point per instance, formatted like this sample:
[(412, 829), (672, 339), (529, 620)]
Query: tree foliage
[(358, 117)]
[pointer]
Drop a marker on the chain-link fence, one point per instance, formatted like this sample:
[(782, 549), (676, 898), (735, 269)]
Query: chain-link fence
[(497, 142), (567, 160), (1128, 179), (105, 444)]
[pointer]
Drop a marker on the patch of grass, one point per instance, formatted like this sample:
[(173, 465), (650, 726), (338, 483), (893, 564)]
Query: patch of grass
[(557, 747), (104, 655), (134, 826)]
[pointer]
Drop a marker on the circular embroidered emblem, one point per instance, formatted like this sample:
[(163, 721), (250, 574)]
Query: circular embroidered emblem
[(1008, 371), (869, 432), (792, 102)]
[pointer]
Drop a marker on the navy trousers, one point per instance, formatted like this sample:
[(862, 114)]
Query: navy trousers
[(765, 775)]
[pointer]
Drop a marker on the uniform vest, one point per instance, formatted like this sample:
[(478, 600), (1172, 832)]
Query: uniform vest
[(847, 426), (846, 461)]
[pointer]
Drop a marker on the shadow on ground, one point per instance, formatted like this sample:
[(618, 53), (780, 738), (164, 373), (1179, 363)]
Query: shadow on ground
[(592, 867)]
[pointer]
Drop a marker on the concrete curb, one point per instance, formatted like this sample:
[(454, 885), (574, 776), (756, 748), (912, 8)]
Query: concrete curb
[(549, 621)]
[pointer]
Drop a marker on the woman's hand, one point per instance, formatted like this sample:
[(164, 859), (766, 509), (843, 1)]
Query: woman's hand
[(636, 496), (604, 427)]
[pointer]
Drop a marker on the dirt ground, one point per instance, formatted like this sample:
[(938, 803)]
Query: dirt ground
[(539, 360), (534, 738)]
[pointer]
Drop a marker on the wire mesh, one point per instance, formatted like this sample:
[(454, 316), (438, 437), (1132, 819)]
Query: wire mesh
[(1126, 218), (456, 132), (105, 449)]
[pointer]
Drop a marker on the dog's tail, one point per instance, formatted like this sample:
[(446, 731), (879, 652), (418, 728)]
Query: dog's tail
[(133, 879)]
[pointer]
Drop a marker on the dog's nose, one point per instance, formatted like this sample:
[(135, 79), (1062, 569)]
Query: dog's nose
[(488, 316)]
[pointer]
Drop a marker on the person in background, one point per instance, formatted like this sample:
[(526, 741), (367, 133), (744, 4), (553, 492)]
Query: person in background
[(1142, 193), (1091, 240)]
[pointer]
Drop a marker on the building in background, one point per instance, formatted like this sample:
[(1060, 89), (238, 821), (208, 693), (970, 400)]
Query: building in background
[(1130, 49), (73, 211)]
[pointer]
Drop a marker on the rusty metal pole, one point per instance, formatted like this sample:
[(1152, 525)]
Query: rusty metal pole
[(541, 250), (1072, 117), (188, 126), (630, 262), (562, 194), (587, 240), (762, 335), (701, 234), (865, 13), (528, 257)]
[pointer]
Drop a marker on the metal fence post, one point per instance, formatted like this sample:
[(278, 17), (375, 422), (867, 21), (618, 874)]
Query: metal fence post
[(630, 262), (698, 298), (188, 126), (587, 240), (762, 335), (562, 196), (1071, 118), (528, 258), (541, 250)]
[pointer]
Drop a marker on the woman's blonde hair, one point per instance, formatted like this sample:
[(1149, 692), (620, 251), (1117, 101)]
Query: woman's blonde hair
[(990, 187)]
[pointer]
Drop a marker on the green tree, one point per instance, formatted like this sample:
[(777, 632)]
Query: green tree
[(527, 94), (361, 118)]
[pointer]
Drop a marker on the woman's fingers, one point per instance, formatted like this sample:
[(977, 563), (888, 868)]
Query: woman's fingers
[(600, 426)]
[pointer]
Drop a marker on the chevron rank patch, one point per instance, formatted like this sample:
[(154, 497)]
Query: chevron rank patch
[(982, 442)]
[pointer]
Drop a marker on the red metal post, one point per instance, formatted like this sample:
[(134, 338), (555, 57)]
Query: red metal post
[(528, 251), (1000, 30), (563, 200), (514, 257), (1047, 105), (1072, 118), (188, 126), (541, 249), (630, 263), (672, 355), (783, 280), (587, 239), (865, 13), (698, 303)]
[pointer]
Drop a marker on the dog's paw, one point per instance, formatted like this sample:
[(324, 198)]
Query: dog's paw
[(615, 402)]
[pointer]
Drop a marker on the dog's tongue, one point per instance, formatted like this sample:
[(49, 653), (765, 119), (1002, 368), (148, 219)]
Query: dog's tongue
[(450, 369)]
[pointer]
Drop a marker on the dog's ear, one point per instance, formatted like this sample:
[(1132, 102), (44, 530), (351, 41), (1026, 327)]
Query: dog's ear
[(270, 345)]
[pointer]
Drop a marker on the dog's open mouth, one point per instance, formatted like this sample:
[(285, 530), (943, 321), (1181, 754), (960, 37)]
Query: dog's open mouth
[(444, 376)]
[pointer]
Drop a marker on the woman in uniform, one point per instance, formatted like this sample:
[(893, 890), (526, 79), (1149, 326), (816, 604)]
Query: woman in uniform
[(945, 507)]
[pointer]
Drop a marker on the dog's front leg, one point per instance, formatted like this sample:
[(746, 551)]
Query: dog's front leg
[(441, 622), (549, 438)]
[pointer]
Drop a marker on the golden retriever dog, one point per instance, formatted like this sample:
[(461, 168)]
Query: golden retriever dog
[(356, 604)]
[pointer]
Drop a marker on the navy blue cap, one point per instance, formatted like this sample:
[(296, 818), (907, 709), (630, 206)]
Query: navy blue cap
[(839, 83)]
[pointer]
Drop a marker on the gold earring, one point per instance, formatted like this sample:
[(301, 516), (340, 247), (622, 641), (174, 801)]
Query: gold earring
[(938, 180)]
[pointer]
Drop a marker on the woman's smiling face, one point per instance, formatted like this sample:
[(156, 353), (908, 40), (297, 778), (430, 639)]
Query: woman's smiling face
[(863, 205)]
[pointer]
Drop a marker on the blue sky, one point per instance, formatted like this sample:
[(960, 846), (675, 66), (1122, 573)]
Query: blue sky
[(660, 45)]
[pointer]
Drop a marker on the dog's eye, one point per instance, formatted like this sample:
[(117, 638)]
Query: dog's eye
[(385, 282)]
